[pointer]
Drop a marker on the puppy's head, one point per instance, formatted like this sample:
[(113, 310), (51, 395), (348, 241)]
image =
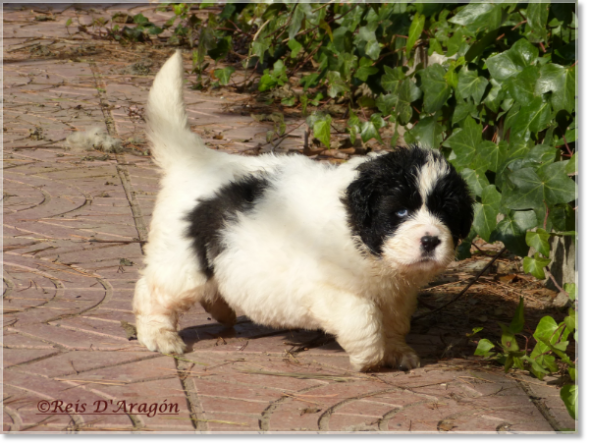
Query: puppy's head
[(410, 208)]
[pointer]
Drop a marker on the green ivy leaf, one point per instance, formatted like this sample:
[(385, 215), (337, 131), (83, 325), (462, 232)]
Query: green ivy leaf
[(511, 231), (522, 87), (572, 166), (365, 69), (471, 85), (485, 212), (349, 64), (415, 31), (471, 13), (427, 132), (532, 118), (530, 189), (451, 76), (386, 103), (140, 19), (512, 116), (474, 331), (391, 79), (289, 101), (295, 23), (535, 266), (322, 130), (511, 62), (456, 43), (495, 96), (343, 40), (479, 46), (537, 15), (408, 92), (404, 112), (337, 86), (572, 374), (295, 48), (502, 67), (462, 110), (484, 348), (537, 369), (540, 154), (571, 289), (570, 396), (370, 128), (372, 49), (309, 81), (221, 49), (489, 152), (527, 190), (558, 187), (353, 126), (466, 141), (224, 75), (570, 320), (561, 82), (539, 241), (509, 342), (435, 89), (476, 180), (267, 81)]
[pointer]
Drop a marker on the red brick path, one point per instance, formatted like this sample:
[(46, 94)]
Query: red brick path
[(73, 223)]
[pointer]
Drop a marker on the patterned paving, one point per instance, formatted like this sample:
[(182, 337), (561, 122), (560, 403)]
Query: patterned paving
[(74, 224)]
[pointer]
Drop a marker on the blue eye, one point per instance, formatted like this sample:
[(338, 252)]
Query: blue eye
[(402, 213)]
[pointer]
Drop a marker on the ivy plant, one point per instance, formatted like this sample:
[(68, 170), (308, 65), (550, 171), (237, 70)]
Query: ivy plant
[(544, 353)]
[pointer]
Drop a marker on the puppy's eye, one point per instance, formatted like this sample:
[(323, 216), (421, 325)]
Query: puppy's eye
[(402, 213)]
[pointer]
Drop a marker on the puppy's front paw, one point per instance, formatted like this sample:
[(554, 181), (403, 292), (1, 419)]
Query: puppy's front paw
[(401, 357), (367, 360), (162, 339)]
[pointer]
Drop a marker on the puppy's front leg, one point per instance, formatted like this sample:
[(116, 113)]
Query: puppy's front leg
[(357, 324), (156, 320), (396, 325)]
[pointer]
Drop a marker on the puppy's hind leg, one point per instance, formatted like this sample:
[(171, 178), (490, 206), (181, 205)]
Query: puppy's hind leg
[(214, 303), (156, 317)]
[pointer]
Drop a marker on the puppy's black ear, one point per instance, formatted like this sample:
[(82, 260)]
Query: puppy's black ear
[(360, 200)]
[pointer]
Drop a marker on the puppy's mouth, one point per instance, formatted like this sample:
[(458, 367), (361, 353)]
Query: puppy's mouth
[(427, 259), (423, 262)]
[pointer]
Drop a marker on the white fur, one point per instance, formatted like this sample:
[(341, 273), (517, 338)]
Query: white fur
[(93, 139), (291, 262)]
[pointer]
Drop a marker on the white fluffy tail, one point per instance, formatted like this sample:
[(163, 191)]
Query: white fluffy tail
[(172, 142)]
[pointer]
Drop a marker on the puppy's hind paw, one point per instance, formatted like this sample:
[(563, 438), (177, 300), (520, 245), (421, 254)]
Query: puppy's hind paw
[(163, 340), (404, 358)]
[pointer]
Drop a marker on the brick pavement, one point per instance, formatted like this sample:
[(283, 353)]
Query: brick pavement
[(73, 227)]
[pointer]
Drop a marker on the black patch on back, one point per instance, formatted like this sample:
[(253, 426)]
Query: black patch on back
[(211, 215), (386, 185)]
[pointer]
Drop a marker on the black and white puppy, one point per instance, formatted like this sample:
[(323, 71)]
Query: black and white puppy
[(290, 242)]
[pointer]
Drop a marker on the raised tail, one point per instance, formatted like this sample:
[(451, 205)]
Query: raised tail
[(172, 142)]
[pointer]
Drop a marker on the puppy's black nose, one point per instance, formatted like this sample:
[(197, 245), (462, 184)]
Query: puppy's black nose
[(429, 243)]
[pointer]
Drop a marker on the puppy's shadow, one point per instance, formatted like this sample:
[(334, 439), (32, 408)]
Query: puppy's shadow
[(294, 340)]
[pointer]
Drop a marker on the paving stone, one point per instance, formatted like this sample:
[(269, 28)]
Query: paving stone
[(12, 357), (68, 223)]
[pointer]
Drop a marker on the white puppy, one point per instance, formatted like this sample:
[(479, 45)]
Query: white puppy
[(290, 242)]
